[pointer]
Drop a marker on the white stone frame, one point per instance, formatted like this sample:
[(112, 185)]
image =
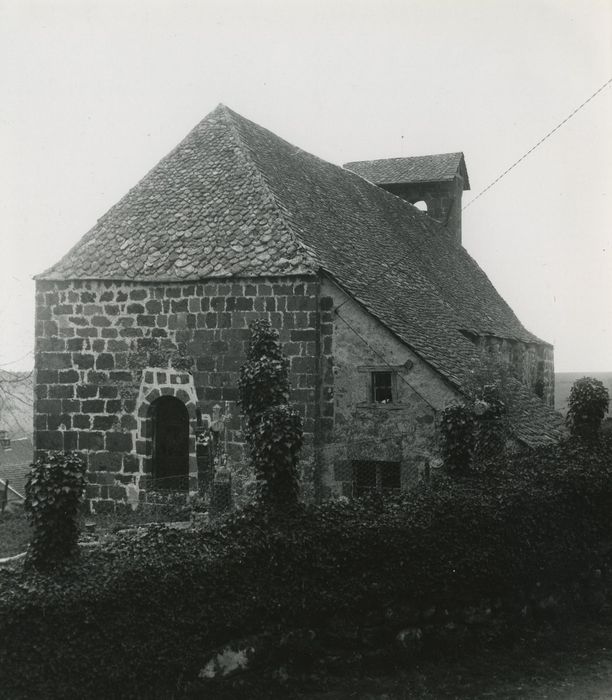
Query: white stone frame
[(157, 382)]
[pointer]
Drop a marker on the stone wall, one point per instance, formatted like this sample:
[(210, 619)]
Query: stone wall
[(443, 200), (352, 426), (104, 348), (533, 363)]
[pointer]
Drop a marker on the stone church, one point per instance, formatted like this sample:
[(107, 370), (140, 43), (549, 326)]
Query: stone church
[(142, 326)]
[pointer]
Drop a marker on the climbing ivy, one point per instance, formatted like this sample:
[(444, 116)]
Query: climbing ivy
[(54, 494), (273, 428), (473, 434), (490, 421), (457, 437), (159, 352), (588, 404)]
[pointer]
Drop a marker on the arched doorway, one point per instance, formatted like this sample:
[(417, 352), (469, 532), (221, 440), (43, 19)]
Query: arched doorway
[(170, 433)]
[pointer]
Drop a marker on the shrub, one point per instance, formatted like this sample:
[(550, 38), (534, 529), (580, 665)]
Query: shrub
[(274, 429), (133, 617), (457, 437), (54, 494), (473, 434), (588, 404)]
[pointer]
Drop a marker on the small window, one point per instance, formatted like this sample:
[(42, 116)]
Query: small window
[(539, 388), (382, 391), (369, 476)]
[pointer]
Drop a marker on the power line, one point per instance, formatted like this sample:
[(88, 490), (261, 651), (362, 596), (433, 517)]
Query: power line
[(488, 187), (539, 143)]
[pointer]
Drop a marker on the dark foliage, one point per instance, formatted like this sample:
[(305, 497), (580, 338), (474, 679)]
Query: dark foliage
[(473, 434), (54, 494), (274, 430), (136, 617), (457, 437), (588, 404), (490, 413)]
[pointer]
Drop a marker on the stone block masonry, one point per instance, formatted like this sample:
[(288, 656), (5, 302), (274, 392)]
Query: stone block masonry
[(95, 340)]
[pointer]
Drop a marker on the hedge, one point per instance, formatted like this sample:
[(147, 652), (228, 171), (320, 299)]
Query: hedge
[(135, 617)]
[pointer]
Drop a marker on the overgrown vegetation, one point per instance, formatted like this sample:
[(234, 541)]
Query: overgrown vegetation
[(54, 493), (135, 617), (457, 438), (15, 533), (588, 404), (473, 434), (274, 429)]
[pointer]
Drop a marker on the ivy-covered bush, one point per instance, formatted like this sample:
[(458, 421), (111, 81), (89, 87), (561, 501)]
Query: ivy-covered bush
[(273, 428), (489, 408), (457, 437), (474, 433), (54, 494), (136, 617), (588, 404)]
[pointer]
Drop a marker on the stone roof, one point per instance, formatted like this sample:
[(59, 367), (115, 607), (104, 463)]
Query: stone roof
[(395, 171), (531, 421), (234, 199), (203, 210)]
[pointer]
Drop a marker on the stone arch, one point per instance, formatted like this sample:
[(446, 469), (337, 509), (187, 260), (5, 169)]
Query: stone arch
[(177, 386)]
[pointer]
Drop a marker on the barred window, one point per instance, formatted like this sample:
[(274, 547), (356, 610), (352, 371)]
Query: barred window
[(372, 475)]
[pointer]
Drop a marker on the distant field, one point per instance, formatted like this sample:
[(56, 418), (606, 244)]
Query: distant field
[(564, 381)]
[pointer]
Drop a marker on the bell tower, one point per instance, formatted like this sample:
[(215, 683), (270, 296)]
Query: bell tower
[(434, 183)]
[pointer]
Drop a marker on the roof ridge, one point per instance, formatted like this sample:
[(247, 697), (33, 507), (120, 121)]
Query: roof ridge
[(230, 116), (91, 232), (424, 155)]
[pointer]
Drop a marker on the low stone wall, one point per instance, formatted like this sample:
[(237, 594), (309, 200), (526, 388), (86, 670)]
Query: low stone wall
[(534, 364)]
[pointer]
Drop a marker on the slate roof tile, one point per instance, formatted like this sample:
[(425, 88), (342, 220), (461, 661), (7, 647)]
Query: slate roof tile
[(433, 168), (235, 199), (531, 421), (205, 193)]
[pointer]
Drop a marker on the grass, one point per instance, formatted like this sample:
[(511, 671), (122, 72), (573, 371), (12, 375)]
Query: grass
[(15, 534)]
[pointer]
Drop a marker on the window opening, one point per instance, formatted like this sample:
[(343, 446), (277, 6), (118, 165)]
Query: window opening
[(382, 387), (371, 475)]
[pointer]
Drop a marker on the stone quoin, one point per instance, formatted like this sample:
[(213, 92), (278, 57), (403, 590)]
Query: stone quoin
[(142, 327)]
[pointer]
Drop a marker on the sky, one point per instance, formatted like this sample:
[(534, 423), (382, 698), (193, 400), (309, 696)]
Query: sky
[(95, 92)]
